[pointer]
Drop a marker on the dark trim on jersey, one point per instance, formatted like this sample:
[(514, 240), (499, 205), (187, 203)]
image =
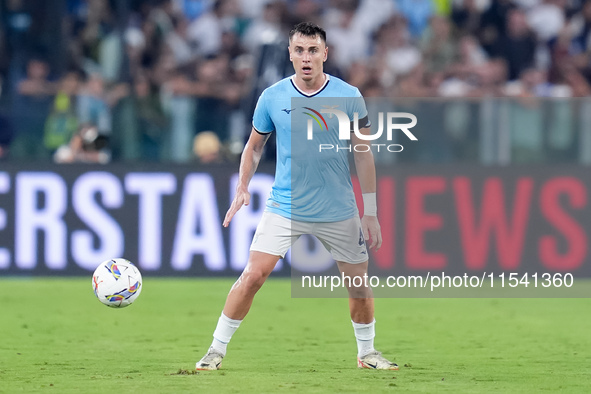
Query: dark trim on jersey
[(261, 132), (363, 121), (310, 95)]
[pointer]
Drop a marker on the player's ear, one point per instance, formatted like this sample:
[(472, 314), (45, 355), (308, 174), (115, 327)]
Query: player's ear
[(325, 54)]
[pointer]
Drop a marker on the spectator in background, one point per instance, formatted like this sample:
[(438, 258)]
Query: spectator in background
[(546, 19), (95, 36), (6, 135), (438, 46), (231, 45), (252, 9), (95, 107), (217, 89), (165, 69), (579, 85), (205, 33), (473, 74), (151, 121), (177, 42), (493, 24), (470, 54), (304, 10), (161, 22), (464, 76), (561, 60), (95, 102), (493, 75), (370, 15), (88, 145), (416, 83), (31, 108), (346, 42), (365, 75), (578, 48), (212, 91), (580, 28), (162, 17), (37, 84), (207, 148), (92, 104), (518, 46), (193, 8), (62, 123), (266, 28), (466, 17), (417, 13), (531, 83), (136, 49), (17, 21), (395, 50)]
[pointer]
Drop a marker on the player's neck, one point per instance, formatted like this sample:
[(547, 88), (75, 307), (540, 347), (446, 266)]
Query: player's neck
[(310, 86)]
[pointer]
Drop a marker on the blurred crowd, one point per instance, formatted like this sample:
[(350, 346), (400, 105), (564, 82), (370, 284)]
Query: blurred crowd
[(173, 80)]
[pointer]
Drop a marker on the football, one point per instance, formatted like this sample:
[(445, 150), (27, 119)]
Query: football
[(117, 283)]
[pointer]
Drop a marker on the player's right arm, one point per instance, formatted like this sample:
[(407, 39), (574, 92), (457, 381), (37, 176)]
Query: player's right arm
[(251, 156)]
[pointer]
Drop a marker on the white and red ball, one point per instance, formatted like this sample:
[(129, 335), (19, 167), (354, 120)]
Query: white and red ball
[(117, 283)]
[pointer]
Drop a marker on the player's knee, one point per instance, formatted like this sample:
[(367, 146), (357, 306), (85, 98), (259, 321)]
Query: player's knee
[(254, 279), (360, 292)]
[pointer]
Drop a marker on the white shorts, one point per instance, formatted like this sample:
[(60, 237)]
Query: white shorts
[(344, 240)]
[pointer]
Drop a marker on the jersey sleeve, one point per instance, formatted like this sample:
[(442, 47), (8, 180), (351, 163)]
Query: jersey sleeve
[(358, 106), (261, 120)]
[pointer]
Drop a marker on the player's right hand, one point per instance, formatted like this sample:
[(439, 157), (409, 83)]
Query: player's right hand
[(241, 198)]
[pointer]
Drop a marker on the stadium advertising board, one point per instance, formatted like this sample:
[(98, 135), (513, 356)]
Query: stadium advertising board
[(64, 220)]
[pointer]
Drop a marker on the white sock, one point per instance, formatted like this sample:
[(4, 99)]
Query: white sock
[(364, 333), (223, 333)]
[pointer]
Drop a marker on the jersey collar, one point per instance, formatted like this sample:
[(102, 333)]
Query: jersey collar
[(313, 93)]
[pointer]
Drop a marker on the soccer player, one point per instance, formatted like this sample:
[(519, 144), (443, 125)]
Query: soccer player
[(333, 217)]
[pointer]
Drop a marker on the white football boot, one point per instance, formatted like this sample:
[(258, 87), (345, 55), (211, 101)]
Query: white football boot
[(211, 361), (375, 360)]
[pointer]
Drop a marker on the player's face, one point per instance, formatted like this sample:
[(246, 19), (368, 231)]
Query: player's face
[(308, 55)]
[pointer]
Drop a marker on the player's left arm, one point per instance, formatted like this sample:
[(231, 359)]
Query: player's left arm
[(366, 172)]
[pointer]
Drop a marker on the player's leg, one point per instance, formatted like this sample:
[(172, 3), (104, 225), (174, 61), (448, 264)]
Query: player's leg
[(361, 307), (271, 241), (361, 303), (345, 242), (259, 267)]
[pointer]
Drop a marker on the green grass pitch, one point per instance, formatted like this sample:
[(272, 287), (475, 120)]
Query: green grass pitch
[(57, 338)]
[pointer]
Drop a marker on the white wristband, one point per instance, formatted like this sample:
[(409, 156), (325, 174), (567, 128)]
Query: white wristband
[(370, 207)]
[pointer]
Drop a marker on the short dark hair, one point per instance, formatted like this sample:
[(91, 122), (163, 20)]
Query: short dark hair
[(308, 29)]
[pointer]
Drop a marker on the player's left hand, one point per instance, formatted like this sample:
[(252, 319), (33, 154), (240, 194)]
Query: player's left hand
[(241, 198), (372, 231)]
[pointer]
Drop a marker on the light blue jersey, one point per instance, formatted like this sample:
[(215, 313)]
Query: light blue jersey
[(311, 184)]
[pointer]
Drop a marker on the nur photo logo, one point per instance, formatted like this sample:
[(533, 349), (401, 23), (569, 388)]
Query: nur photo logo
[(388, 122)]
